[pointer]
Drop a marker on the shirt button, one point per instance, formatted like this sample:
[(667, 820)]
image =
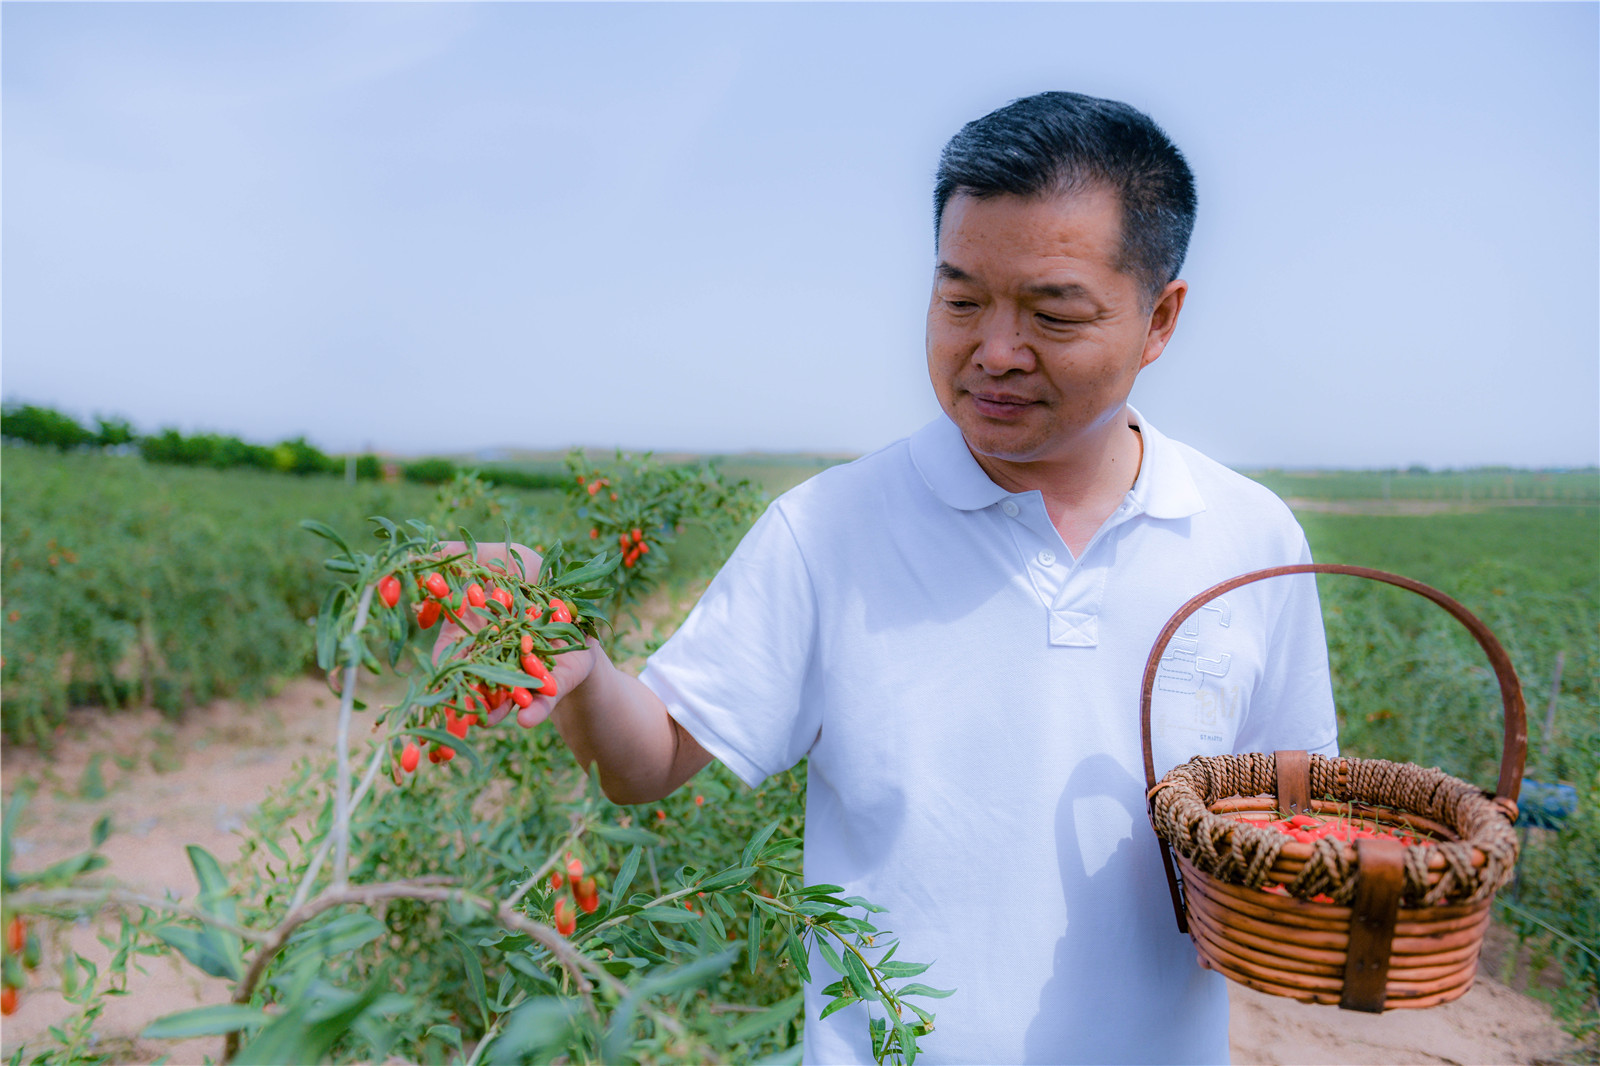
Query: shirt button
[(1010, 508), (1047, 558)]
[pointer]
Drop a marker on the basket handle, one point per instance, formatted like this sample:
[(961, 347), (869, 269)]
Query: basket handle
[(1516, 726)]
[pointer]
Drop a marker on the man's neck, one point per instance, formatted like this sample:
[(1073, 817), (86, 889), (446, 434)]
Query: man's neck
[(1083, 485)]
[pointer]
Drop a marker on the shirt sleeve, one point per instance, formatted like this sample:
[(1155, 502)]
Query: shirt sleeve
[(1292, 707), (734, 675)]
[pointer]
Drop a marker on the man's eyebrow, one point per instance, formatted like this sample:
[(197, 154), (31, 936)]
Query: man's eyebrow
[(1069, 291), (1058, 292)]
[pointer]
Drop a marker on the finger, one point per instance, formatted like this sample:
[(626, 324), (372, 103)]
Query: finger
[(535, 712)]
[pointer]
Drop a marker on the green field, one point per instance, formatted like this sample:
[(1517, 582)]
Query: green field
[(1484, 484), (125, 583)]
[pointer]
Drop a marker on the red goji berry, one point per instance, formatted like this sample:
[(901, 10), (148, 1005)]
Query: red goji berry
[(436, 585), (521, 697), (534, 666), (566, 917), (389, 591), (428, 614), (16, 935), (8, 1000), (475, 597), (503, 598), (410, 755), (559, 612), (555, 880)]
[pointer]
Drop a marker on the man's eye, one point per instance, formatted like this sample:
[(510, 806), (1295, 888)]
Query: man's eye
[(960, 305), (1057, 323)]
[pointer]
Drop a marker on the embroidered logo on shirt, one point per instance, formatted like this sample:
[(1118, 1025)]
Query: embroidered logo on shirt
[(1183, 667)]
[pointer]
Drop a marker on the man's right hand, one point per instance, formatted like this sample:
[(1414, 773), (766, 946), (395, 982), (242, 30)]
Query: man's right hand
[(571, 668), (605, 716)]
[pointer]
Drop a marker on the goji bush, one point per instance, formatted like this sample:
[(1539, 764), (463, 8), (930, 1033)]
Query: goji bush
[(465, 893)]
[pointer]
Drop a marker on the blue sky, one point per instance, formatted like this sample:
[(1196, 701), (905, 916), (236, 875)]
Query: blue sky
[(426, 227)]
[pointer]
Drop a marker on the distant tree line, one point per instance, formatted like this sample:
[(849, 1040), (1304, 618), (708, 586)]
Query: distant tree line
[(44, 427)]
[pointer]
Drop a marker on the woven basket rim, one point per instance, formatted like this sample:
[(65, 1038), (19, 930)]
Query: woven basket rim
[(1478, 863)]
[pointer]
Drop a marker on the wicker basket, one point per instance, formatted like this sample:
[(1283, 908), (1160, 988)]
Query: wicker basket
[(1406, 921)]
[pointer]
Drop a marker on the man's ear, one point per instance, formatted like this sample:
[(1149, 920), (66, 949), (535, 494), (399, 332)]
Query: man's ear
[(1163, 320)]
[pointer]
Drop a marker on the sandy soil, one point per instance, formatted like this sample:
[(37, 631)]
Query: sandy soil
[(198, 780)]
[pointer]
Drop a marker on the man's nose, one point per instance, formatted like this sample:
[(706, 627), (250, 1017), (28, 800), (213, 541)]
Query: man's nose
[(1002, 348)]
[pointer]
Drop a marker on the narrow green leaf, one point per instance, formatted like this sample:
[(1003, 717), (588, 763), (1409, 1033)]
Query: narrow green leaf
[(797, 955), (626, 834), (325, 531), (924, 990), (439, 736), (837, 1005), (204, 950), (752, 938), (215, 898), (902, 969), (856, 971), (535, 1032), (474, 977), (206, 1021), (671, 915), (101, 830), (767, 1020), (728, 877), (449, 1034), (692, 975), (625, 875), (748, 856), (830, 956), (345, 933)]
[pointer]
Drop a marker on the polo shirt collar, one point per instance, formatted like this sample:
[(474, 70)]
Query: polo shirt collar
[(1165, 486), (1164, 489)]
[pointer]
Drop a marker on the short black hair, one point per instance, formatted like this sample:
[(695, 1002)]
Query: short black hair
[(1060, 143)]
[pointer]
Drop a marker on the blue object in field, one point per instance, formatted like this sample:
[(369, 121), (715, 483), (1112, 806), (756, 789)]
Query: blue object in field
[(1546, 806)]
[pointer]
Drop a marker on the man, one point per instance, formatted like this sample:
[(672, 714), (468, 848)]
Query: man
[(953, 628)]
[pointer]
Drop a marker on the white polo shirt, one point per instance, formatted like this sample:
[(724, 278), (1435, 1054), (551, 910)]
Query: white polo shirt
[(967, 693)]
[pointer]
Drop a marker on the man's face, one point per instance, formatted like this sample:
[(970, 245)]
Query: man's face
[(1034, 336)]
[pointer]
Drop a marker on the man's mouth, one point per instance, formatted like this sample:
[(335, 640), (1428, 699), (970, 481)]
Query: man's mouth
[(1000, 405)]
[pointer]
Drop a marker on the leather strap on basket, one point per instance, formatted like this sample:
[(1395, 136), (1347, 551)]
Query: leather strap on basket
[(1294, 781), (1380, 875), (1515, 745)]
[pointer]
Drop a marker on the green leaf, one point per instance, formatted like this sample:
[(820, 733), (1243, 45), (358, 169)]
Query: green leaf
[(837, 1005), (924, 990), (821, 890), (626, 834), (767, 1020), (202, 947), (439, 736), (534, 1032), (449, 1034), (902, 969), (303, 1034), (326, 532), (856, 971), (830, 956), (502, 675), (206, 1021), (664, 913), (474, 977), (345, 933), (101, 830), (787, 1057), (728, 877), (692, 975), (797, 955), (625, 875), (752, 938), (751, 849), (215, 899)]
